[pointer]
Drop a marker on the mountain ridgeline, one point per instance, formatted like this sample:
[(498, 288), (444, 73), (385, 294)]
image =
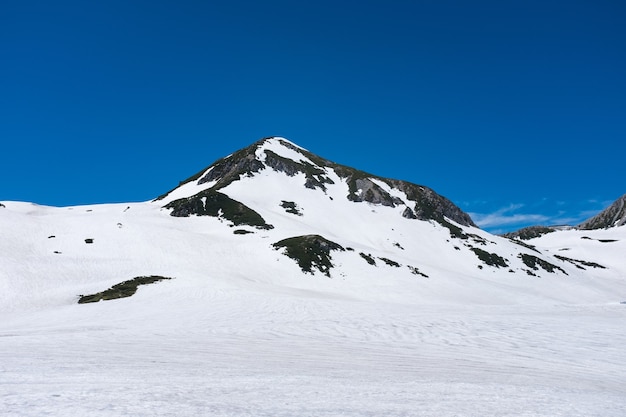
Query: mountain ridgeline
[(419, 202), (314, 210), (276, 217), (612, 216)]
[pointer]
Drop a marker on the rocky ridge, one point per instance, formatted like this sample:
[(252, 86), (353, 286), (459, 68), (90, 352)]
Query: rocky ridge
[(421, 203), (612, 216), (223, 190)]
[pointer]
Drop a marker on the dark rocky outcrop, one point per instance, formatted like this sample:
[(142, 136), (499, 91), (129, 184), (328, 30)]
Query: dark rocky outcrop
[(315, 176), (232, 168), (310, 252), (372, 193), (612, 216), (530, 232), (215, 204), (534, 263), (491, 259), (580, 264), (431, 206)]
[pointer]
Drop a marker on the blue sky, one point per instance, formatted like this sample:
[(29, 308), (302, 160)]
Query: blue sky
[(514, 110)]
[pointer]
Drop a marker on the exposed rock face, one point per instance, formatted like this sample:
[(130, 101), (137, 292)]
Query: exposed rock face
[(422, 202), (431, 206), (315, 176), (372, 193), (408, 214), (232, 168), (613, 216)]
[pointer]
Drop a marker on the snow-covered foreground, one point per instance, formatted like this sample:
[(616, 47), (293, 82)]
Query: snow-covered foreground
[(241, 353)]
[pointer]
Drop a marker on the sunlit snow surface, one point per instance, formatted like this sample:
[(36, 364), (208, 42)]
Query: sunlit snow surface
[(234, 354), (240, 331)]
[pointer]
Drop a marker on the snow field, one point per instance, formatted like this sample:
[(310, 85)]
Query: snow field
[(250, 354)]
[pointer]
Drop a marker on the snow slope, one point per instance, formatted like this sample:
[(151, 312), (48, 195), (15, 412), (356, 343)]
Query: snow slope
[(242, 330)]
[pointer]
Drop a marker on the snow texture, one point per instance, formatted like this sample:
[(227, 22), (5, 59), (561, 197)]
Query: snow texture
[(240, 330)]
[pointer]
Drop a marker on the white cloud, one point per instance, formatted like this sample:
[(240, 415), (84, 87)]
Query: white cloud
[(500, 219), (509, 218), (506, 216)]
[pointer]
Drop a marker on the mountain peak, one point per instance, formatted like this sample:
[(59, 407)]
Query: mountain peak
[(285, 159), (612, 216), (281, 142)]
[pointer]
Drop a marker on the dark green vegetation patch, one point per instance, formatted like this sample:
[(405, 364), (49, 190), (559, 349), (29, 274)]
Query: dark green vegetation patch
[(489, 258), (310, 251), (242, 232), (532, 262), (121, 290), (213, 203)]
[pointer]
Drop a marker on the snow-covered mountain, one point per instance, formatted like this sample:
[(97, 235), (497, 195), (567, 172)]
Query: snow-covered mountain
[(276, 214), (276, 282)]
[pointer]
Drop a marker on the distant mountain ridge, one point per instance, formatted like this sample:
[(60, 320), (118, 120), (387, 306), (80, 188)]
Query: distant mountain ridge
[(612, 216)]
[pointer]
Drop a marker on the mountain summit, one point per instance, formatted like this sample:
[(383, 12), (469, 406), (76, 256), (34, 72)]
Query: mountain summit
[(279, 155)]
